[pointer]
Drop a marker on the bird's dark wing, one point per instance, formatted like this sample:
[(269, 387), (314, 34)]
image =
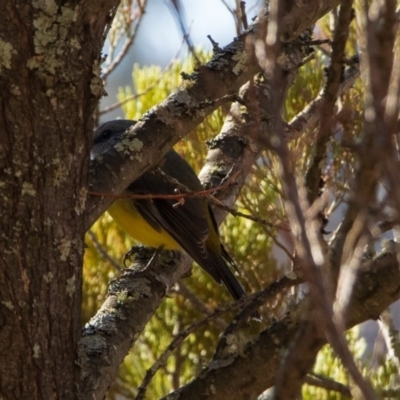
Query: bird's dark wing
[(186, 220), (191, 223), (188, 228)]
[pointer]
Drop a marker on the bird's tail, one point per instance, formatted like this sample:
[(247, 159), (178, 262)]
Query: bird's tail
[(222, 264), (219, 266)]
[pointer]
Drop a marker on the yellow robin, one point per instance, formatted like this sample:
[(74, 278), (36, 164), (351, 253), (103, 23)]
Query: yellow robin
[(156, 222)]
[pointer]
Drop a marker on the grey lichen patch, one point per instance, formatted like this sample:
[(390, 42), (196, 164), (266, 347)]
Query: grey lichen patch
[(213, 389), (241, 59), (53, 99), (60, 174), (91, 345), (183, 97), (75, 43), (6, 53), (96, 85), (198, 112), (36, 351), (48, 277), (236, 344), (141, 288), (48, 222), (52, 27), (61, 169), (231, 341), (8, 305), (27, 188), (218, 62), (166, 114), (64, 247), (48, 6), (130, 146), (15, 90), (182, 101), (221, 362), (81, 201), (122, 297), (291, 275), (71, 285)]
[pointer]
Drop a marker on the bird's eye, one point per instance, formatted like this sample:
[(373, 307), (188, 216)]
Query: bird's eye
[(106, 135)]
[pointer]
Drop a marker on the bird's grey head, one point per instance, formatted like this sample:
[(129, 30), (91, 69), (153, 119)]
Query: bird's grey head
[(108, 134)]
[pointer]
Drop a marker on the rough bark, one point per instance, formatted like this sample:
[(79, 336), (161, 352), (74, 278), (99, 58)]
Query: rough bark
[(49, 60)]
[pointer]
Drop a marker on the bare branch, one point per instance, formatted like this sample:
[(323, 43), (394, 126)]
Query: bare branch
[(198, 304), (309, 117), (391, 336), (103, 251), (251, 372), (328, 384), (130, 36), (329, 97)]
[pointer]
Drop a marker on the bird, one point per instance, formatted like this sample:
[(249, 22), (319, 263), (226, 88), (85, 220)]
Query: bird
[(189, 225)]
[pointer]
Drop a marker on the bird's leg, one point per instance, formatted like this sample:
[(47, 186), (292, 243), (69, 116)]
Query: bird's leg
[(129, 254), (135, 250), (154, 256)]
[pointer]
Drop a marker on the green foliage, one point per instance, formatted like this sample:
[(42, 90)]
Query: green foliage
[(306, 86), (328, 365)]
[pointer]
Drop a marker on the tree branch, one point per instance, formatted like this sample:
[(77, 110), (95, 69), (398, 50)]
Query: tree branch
[(248, 374)]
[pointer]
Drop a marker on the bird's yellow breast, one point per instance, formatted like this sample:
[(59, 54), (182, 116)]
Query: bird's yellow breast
[(126, 215)]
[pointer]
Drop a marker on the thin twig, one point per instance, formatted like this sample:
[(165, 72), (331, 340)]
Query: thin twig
[(135, 96), (179, 338), (391, 336), (184, 291), (179, 196), (102, 251), (177, 7), (243, 15), (308, 118), (324, 382), (130, 38), (256, 301)]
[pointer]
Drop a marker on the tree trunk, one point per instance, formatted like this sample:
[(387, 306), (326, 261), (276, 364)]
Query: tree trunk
[(49, 60)]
